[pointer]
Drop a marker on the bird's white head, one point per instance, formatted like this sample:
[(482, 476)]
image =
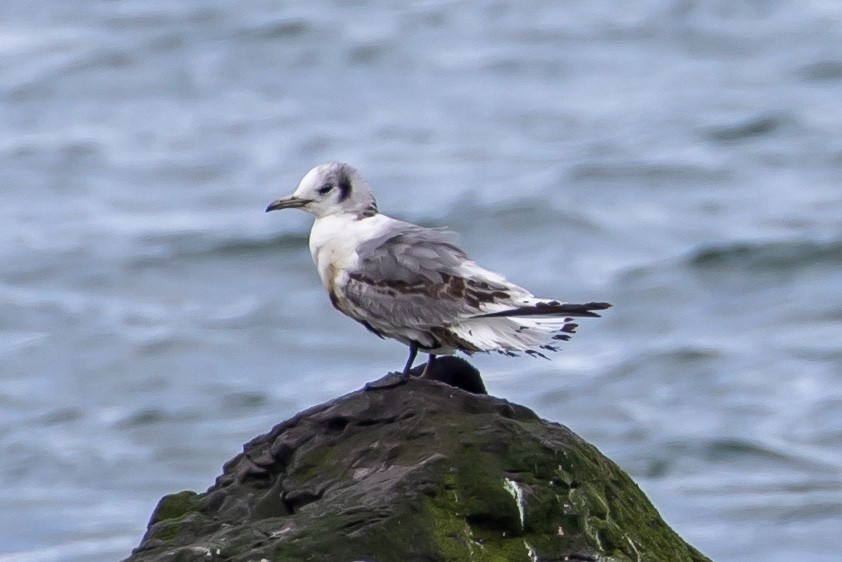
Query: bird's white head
[(330, 189)]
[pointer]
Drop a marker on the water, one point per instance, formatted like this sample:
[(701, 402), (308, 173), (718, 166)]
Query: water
[(680, 159)]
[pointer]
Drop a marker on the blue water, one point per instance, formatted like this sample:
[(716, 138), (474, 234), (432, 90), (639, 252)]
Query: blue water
[(681, 159)]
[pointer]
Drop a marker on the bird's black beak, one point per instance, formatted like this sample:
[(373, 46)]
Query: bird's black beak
[(289, 202)]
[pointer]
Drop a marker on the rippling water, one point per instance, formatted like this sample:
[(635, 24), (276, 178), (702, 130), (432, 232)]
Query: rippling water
[(681, 159)]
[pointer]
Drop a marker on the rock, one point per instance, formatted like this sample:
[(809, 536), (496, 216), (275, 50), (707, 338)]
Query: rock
[(411, 469), (454, 371)]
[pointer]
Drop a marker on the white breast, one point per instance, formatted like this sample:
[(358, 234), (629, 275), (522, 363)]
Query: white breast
[(334, 241)]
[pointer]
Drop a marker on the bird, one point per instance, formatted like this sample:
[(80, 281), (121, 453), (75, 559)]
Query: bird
[(415, 284)]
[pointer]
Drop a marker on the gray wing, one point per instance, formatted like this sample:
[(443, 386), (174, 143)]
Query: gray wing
[(412, 253), (414, 277)]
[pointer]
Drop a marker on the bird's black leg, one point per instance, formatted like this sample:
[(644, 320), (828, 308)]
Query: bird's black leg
[(428, 367), (413, 351)]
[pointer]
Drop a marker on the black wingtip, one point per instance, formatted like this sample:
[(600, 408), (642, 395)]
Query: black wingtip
[(591, 306), (553, 308)]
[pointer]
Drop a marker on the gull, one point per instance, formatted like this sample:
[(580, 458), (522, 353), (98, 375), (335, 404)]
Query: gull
[(414, 284)]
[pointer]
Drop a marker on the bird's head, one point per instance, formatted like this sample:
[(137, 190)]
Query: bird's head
[(329, 189)]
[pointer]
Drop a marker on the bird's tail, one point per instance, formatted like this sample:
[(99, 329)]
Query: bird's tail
[(536, 325)]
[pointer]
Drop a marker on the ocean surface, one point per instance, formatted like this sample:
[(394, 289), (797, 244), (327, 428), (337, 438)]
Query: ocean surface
[(681, 159)]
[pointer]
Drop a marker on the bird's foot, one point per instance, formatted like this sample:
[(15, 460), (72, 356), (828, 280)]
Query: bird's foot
[(391, 380)]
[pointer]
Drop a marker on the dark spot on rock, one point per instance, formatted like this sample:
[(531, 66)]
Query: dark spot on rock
[(337, 424), (454, 371)]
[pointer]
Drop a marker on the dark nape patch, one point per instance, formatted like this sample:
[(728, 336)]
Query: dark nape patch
[(344, 185)]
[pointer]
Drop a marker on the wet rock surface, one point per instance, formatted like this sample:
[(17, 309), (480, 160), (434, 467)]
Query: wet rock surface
[(409, 469)]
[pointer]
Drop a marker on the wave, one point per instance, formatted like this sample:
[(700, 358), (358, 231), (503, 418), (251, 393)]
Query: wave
[(200, 244), (756, 126), (648, 171), (767, 256), (740, 451), (284, 28), (822, 70)]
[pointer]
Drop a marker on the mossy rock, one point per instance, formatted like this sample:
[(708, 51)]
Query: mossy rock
[(414, 470)]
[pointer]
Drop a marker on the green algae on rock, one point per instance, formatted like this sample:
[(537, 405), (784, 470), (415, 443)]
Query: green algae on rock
[(414, 470)]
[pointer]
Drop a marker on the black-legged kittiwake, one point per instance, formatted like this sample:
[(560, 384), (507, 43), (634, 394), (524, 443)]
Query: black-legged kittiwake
[(414, 284)]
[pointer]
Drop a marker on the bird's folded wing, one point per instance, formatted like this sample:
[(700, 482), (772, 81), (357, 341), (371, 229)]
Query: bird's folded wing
[(411, 253), (415, 276)]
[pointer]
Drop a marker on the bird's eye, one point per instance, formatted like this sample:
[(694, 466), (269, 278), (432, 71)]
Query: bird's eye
[(325, 188)]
